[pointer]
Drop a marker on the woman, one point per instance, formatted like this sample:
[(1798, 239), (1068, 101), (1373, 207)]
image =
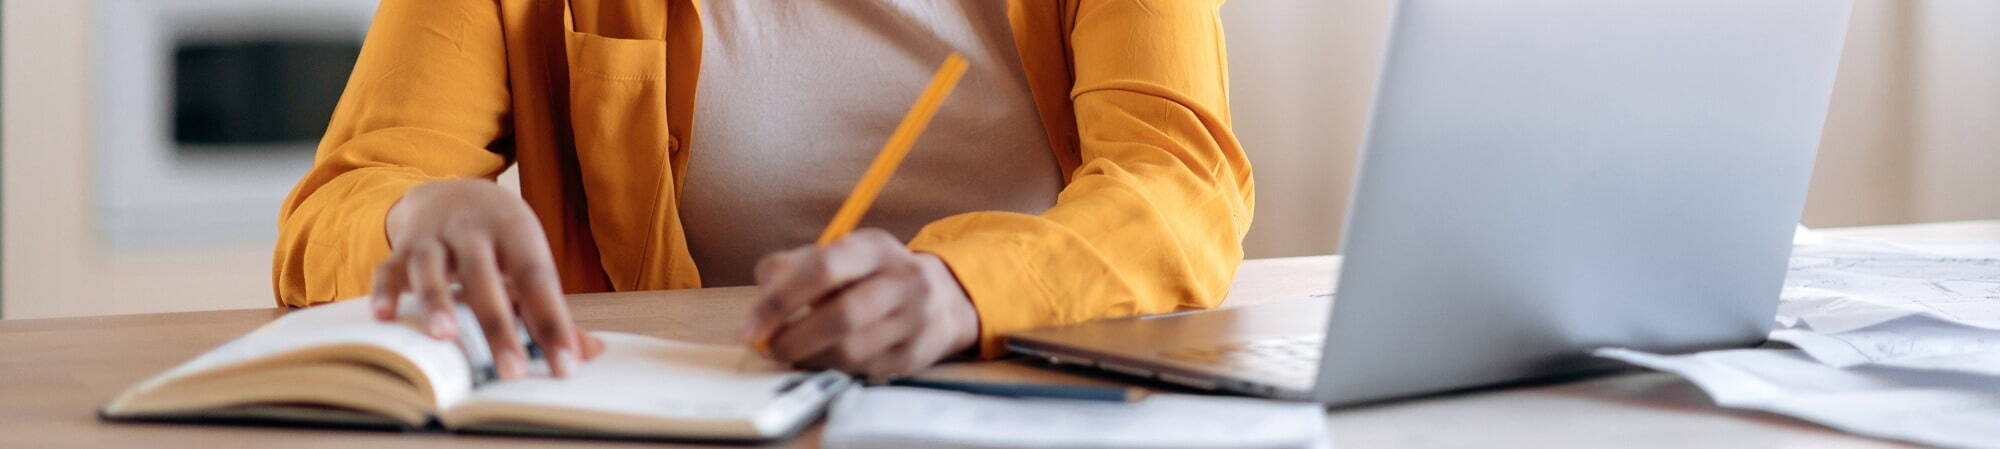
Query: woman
[(1083, 169)]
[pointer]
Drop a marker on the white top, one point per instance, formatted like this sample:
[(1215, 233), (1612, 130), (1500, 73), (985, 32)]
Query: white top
[(796, 97)]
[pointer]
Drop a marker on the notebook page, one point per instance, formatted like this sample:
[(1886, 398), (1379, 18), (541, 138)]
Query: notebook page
[(341, 323), (648, 385)]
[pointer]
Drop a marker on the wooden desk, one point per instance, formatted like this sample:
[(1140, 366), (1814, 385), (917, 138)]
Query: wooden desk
[(55, 372)]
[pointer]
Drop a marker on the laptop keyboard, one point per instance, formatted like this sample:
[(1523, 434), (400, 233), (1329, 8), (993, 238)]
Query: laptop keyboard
[(1291, 360)]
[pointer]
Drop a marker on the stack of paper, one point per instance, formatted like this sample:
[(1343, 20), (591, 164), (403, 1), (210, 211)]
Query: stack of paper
[(1922, 407), (1917, 342), (1847, 284), (1895, 341), (878, 417)]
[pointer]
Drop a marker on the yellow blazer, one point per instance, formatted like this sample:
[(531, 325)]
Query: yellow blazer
[(594, 99)]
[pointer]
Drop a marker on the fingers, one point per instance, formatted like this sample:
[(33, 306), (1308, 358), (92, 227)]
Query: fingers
[(542, 306), (880, 351), (473, 242), (496, 321), (848, 330), (592, 347), (778, 264), (426, 266), (769, 271), (485, 293), (911, 354), (936, 320), (901, 360), (389, 285), (799, 278)]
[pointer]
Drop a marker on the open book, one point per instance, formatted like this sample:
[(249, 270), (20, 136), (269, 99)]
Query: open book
[(335, 365)]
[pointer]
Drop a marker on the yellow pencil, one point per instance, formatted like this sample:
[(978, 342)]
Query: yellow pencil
[(886, 161), (892, 152)]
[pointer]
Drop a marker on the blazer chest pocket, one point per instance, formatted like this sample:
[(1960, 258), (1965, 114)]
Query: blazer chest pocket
[(618, 95), (618, 115)]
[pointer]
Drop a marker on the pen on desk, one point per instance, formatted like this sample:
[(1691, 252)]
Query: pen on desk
[(891, 155), (1021, 390)]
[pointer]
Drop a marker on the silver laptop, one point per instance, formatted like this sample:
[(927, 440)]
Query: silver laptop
[(1541, 177)]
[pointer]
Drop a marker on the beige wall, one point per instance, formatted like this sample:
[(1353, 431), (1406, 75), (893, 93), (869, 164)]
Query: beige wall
[(1302, 74), (1914, 136), (1863, 172), (1955, 113), (52, 261)]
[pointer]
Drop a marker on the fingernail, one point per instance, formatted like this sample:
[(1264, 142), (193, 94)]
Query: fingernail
[(441, 325), (592, 347), (513, 366), (381, 303), (564, 362)]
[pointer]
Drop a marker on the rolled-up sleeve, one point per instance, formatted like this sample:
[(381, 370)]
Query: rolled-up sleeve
[(426, 101), (1153, 217)]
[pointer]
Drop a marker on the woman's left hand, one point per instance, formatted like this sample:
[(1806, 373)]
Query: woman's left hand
[(871, 307)]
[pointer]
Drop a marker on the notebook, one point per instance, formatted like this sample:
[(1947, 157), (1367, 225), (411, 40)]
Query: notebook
[(335, 365)]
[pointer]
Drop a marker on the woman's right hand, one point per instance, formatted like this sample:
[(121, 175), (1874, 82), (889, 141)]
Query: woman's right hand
[(483, 238)]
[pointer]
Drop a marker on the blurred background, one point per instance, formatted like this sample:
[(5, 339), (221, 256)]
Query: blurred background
[(145, 145)]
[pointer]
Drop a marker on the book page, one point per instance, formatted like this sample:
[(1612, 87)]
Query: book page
[(343, 323), (647, 385)]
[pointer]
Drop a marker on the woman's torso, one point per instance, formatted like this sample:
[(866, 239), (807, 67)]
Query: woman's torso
[(796, 97)]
